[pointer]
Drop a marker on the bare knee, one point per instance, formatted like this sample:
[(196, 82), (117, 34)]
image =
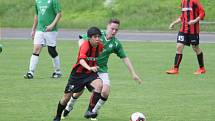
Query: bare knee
[(37, 49), (179, 48), (97, 85), (105, 91), (196, 49), (65, 99)]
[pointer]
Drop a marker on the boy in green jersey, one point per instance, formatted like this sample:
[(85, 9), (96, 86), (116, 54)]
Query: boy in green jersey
[(44, 32), (111, 45)]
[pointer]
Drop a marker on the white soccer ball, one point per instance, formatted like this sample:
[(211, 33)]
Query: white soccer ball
[(137, 116)]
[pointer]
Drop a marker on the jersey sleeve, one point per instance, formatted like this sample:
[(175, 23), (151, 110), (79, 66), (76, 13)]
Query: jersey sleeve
[(201, 10), (83, 50), (57, 6), (119, 51)]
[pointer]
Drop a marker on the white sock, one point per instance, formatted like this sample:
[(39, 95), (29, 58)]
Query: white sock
[(56, 64), (70, 104), (98, 105), (33, 63)]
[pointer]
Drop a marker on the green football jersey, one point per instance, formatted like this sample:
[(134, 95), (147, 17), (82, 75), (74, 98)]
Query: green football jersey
[(46, 11), (110, 46)]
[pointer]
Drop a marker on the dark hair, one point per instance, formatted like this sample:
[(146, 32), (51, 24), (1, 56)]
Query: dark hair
[(114, 20), (93, 31)]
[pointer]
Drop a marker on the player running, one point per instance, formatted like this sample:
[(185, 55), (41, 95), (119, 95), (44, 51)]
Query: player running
[(84, 73), (111, 45)]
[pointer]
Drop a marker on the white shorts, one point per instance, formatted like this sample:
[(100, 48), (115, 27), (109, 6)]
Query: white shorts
[(105, 78), (45, 38)]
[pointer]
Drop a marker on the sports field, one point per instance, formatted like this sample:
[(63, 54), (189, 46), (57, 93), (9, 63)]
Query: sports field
[(162, 97)]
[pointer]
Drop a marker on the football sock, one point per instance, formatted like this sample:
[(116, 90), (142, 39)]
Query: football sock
[(93, 100), (60, 109), (200, 60), (178, 58), (99, 104), (71, 103), (56, 64), (33, 62)]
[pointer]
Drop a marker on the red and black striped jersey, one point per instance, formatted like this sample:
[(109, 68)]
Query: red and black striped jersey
[(190, 10), (90, 54)]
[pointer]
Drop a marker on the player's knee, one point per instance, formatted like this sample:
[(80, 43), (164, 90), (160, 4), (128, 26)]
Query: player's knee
[(65, 99), (52, 51), (105, 94), (37, 50), (98, 86), (196, 49)]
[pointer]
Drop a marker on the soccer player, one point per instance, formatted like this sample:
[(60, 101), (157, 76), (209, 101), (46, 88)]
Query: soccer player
[(111, 45), (84, 73), (44, 32), (191, 13)]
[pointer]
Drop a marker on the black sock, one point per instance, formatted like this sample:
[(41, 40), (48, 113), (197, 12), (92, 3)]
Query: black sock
[(200, 60), (60, 109), (93, 100), (35, 54), (178, 58), (103, 98)]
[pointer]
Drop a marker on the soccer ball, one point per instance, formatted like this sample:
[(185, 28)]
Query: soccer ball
[(137, 116)]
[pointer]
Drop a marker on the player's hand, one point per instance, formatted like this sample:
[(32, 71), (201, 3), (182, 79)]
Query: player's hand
[(191, 22), (137, 79), (171, 26), (33, 34), (94, 69), (49, 28)]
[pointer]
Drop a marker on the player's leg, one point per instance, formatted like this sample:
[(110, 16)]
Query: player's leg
[(62, 105), (38, 41), (181, 41), (105, 91), (51, 38), (96, 95), (71, 103), (56, 62), (74, 85), (200, 59)]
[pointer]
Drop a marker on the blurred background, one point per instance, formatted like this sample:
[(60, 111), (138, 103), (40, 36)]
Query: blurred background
[(143, 15)]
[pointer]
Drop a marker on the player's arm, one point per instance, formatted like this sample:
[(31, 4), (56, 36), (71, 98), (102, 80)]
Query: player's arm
[(121, 53), (201, 14), (34, 27), (171, 26), (54, 23), (85, 65), (130, 67), (191, 22)]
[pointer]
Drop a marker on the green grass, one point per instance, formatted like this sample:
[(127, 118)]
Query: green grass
[(162, 97), (134, 14)]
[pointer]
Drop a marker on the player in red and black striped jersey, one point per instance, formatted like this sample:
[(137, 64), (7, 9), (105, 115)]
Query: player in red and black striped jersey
[(84, 73), (191, 13)]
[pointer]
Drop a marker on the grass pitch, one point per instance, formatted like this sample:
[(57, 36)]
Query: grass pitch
[(162, 97)]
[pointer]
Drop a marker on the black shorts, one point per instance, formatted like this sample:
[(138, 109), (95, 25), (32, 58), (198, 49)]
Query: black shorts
[(77, 82), (188, 39)]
